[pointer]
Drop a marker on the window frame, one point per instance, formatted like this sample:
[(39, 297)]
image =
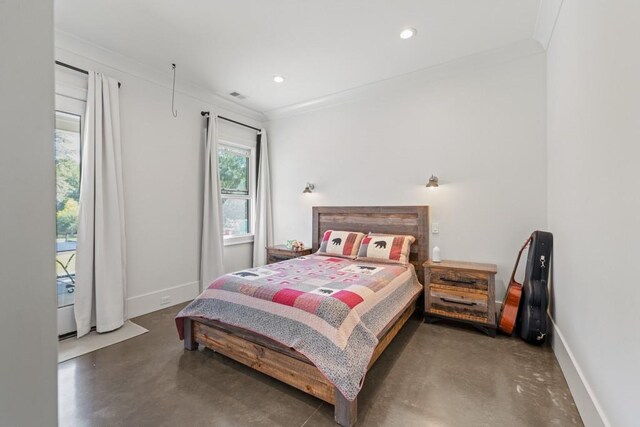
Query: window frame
[(251, 197)]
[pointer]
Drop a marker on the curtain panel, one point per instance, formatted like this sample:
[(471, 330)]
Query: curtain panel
[(263, 235), (100, 255), (212, 249)]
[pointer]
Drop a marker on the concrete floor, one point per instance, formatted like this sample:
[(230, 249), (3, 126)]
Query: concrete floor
[(431, 375)]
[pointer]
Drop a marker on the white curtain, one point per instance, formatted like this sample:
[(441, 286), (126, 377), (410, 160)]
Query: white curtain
[(100, 258), (264, 218), (211, 263)]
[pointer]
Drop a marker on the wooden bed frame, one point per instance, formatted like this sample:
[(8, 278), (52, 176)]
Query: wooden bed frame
[(287, 365)]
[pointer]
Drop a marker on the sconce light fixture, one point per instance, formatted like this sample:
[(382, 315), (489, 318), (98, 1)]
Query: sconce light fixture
[(309, 188), (433, 181)]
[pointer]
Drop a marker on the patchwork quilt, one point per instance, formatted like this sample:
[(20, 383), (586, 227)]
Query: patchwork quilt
[(329, 309)]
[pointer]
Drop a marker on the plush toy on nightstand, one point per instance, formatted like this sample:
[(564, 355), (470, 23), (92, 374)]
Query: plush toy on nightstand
[(295, 245)]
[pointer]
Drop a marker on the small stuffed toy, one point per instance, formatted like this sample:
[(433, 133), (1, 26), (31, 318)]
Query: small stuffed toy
[(295, 245)]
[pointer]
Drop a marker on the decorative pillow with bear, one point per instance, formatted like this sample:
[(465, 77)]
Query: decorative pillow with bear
[(385, 248), (340, 243)]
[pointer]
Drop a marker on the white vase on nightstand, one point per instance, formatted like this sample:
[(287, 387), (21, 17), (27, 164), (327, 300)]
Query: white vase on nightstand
[(436, 254)]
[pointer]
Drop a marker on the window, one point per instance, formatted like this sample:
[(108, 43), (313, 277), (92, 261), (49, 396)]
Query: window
[(67, 158), (237, 188), (70, 106)]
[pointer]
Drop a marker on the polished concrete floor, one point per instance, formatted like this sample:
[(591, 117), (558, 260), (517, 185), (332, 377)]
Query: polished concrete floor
[(431, 375)]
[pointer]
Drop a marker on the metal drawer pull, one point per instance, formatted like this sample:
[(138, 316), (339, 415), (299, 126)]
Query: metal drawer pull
[(466, 282), (455, 301)]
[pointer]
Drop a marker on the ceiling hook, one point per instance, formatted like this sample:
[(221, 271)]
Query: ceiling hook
[(173, 93)]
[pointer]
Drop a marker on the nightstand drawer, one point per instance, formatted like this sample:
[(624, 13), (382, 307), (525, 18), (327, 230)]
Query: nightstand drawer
[(460, 279), (464, 305)]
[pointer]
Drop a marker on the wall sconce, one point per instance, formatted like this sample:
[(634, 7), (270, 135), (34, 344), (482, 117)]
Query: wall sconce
[(309, 188), (433, 181)]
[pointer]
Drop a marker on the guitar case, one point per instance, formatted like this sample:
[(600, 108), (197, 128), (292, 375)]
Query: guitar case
[(535, 293)]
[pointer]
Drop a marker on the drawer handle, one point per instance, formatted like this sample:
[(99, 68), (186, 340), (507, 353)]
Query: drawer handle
[(466, 282), (455, 301)]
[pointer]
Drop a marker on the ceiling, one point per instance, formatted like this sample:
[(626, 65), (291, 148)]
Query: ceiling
[(322, 47)]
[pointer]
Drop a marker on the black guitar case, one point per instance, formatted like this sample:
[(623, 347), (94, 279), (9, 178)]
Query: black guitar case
[(535, 293)]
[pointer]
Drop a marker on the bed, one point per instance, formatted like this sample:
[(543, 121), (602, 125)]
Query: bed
[(249, 316)]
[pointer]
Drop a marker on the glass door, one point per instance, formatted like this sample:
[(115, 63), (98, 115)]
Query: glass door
[(68, 143)]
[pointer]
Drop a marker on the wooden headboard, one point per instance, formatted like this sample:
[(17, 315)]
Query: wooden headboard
[(412, 220)]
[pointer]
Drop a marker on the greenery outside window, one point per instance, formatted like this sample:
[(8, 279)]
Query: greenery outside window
[(237, 190), (67, 158)]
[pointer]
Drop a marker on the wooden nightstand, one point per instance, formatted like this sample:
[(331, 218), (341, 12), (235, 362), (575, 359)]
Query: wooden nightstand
[(281, 253), (462, 291)]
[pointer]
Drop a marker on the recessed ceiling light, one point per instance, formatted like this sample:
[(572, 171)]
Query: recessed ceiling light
[(278, 79), (408, 33)]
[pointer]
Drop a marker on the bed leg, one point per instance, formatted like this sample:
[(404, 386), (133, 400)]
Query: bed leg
[(346, 413), (189, 342)]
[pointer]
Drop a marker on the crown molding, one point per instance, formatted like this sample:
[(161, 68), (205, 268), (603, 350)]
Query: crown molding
[(514, 51), (82, 53), (548, 13)]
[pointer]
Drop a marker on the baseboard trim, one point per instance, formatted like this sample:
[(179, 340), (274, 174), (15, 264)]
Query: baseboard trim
[(150, 302), (586, 401)]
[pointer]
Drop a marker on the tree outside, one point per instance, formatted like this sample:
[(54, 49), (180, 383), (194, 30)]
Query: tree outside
[(234, 171), (234, 180), (67, 148), (67, 219)]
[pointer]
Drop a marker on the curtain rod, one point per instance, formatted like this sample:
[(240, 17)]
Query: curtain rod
[(79, 70), (206, 113)]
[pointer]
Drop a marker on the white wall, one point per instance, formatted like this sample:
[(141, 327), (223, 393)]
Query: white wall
[(28, 353), (593, 151), (481, 129), (162, 174)]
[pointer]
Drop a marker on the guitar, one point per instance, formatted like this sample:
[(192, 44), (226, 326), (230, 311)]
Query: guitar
[(511, 303)]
